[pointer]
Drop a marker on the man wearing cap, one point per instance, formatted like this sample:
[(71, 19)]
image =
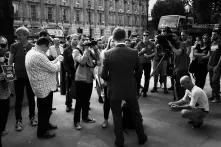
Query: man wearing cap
[(146, 52), (214, 64)]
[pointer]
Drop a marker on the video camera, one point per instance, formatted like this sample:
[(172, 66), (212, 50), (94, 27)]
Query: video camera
[(163, 41)]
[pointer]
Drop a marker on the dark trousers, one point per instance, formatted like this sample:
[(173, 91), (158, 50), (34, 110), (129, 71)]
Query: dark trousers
[(215, 82), (20, 84), (117, 117), (146, 67), (44, 113), (83, 95), (200, 75), (4, 110), (70, 90), (179, 91), (106, 106)]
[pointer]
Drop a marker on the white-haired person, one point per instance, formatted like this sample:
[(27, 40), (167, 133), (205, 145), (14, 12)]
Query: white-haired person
[(194, 105), (17, 54)]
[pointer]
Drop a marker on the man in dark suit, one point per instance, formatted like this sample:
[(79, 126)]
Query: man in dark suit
[(119, 66)]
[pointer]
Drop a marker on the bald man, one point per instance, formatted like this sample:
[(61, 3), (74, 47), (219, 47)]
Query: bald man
[(194, 105)]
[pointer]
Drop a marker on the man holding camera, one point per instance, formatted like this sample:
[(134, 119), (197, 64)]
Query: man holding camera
[(85, 59), (188, 104)]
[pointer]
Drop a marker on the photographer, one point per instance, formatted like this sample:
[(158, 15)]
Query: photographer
[(181, 64), (85, 57), (162, 54)]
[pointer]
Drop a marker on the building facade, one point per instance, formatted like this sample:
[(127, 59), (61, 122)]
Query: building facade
[(92, 17)]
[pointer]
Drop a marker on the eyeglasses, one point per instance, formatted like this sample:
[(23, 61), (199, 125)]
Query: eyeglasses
[(3, 45), (145, 35)]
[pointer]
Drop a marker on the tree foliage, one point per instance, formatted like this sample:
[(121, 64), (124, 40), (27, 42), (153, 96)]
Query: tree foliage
[(202, 10), (206, 11), (166, 7)]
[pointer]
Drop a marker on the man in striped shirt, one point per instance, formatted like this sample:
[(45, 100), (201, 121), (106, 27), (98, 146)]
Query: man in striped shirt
[(42, 77)]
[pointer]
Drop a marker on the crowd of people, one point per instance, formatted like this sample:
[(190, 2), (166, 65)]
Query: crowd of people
[(117, 66)]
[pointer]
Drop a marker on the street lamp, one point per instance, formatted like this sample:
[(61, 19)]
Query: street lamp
[(187, 11), (89, 17)]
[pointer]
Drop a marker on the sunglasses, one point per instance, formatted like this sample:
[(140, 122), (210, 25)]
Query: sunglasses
[(145, 35), (3, 45)]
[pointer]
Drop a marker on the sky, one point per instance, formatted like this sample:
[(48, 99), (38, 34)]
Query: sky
[(151, 4)]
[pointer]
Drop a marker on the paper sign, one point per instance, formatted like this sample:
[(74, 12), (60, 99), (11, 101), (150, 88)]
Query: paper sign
[(9, 72)]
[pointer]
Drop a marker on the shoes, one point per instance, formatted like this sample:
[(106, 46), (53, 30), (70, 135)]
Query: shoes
[(143, 140), (46, 135), (77, 126), (69, 109), (5, 132), (100, 100), (52, 127), (89, 120), (104, 124), (171, 88), (215, 101), (154, 90), (33, 122), (119, 144), (196, 125), (144, 94), (165, 91), (19, 126)]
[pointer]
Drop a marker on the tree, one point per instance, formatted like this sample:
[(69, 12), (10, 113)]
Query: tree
[(166, 7)]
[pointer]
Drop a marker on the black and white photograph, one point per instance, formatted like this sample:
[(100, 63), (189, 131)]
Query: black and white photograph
[(110, 73)]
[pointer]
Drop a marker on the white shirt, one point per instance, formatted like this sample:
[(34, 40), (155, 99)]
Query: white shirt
[(197, 95), (41, 72)]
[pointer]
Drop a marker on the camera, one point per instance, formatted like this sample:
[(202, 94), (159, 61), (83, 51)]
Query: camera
[(90, 43)]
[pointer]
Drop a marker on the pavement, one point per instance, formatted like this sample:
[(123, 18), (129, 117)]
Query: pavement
[(163, 127)]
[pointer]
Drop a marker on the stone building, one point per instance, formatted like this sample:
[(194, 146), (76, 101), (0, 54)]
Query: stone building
[(95, 17)]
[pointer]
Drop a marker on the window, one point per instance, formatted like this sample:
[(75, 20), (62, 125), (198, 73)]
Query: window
[(100, 2), (120, 17), (64, 15), (50, 14), (102, 32), (78, 16), (33, 12), (16, 14), (100, 18)]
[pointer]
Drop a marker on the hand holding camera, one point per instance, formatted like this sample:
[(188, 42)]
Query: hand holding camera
[(60, 58)]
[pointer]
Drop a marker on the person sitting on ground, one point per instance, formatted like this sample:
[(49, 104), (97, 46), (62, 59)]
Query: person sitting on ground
[(197, 108)]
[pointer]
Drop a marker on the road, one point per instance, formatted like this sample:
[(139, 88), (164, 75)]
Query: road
[(163, 127)]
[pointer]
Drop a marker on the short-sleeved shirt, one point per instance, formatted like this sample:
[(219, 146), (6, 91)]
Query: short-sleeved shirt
[(215, 53), (19, 52), (149, 49), (197, 95)]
